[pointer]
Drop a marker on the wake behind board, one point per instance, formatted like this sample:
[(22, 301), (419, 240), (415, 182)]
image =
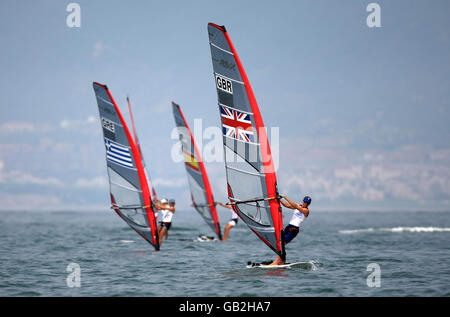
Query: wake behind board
[(200, 238), (127, 241), (265, 265), (203, 238)]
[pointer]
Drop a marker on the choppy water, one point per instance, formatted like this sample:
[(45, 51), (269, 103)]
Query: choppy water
[(412, 250)]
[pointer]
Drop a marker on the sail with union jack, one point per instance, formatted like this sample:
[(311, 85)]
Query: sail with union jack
[(252, 181), (236, 124)]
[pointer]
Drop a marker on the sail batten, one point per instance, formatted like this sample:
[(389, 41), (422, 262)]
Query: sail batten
[(201, 193), (129, 192), (249, 167)]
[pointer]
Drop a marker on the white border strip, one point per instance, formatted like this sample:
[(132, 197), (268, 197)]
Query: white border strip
[(245, 172), (222, 49)]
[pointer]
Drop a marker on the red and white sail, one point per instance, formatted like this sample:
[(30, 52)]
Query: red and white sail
[(130, 194), (252, 182), (201, 193)]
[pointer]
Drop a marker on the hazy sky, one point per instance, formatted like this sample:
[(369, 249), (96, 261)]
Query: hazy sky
[(363, 113)]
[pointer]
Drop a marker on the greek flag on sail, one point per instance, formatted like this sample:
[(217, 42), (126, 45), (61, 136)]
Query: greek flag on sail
[(118, 154)]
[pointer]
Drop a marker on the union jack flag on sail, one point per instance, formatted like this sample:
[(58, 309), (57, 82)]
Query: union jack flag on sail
[(236, 124)]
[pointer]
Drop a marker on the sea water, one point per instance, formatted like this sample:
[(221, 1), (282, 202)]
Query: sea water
[(351, 254)]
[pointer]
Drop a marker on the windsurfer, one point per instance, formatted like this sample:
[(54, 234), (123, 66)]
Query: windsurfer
[(292, 229), (167, 208), (233, 222)]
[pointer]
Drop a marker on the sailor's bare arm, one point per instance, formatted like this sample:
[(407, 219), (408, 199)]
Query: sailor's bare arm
[(156, 204), (286, 204), (223, 205), (294, 205)]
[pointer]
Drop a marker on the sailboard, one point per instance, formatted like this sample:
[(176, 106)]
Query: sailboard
[(201, 193), (251, 177), (265, 265), (136, 140), (129, 191)]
